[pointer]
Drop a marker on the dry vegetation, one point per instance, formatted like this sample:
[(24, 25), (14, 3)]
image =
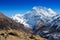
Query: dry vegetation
[(18, 35)]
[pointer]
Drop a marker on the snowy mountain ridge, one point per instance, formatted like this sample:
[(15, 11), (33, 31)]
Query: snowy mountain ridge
[(36, 14)]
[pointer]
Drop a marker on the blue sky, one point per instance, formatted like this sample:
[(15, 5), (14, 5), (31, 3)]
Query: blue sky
[(11, 7)]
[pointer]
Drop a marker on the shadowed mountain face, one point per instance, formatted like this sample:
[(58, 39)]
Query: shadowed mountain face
[(38, 27), (51, 32)]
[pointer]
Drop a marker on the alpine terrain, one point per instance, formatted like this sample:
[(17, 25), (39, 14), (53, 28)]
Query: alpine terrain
[(43, 21), (12, 30)]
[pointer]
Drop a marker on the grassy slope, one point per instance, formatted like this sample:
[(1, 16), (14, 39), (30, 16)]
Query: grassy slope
[(18, 35)]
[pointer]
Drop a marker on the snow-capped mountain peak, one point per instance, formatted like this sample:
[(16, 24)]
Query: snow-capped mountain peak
[(45, 11), (18, 18), (36, 14)]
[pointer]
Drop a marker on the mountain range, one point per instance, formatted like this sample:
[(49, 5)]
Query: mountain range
[(12, 30), (43, 21), (35, 15), (38, 22)]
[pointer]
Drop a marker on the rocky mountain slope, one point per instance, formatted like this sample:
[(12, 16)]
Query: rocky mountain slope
[(7, 23), (11, 30)]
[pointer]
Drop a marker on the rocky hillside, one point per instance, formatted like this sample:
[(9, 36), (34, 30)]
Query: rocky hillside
[(10, 30), (7, 23)]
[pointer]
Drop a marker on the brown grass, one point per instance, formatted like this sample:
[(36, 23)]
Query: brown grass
[(21, 35)]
